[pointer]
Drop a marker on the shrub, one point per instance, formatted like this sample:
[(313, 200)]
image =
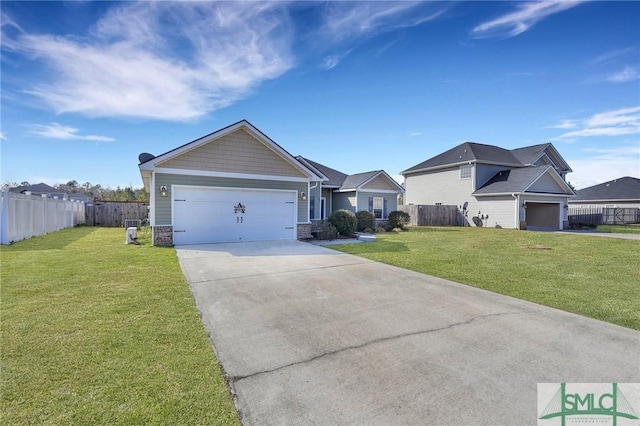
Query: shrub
[(325, 231), (398, 219), (380, 230), (365, 220), (345, 222)]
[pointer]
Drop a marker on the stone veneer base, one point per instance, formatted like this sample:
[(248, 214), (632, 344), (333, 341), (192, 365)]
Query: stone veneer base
[(162, 235)]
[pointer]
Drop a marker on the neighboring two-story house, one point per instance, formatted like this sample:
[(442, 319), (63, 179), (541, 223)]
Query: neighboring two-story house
[(522, 188)]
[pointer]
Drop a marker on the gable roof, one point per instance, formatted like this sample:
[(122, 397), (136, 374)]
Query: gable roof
[(471, 152), (468, 152), (148, 162), (357, 180), (333, 177), (528, 155), (518, 180), (625, 188), (344, 182)]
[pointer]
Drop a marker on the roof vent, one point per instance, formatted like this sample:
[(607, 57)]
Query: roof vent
[(145, 156)]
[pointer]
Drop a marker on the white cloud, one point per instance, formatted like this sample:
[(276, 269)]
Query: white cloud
[(526, 15), (58, 131), (625, 75), (127, 66), (332, 60), (348, 19), (565, 124), (612, 55), (413, 134), (351, 21), (624, 121), (3, 136), (604, 164)]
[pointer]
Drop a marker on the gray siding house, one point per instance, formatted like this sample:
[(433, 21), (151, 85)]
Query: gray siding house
[(236, 184), (523, 188)]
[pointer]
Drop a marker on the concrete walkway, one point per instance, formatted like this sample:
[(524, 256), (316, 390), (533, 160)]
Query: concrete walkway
[(308, 335)]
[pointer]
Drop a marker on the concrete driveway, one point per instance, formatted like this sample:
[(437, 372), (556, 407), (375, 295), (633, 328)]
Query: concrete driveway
[(307, 335)]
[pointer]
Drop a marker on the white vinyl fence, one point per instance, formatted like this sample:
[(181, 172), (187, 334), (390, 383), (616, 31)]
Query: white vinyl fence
[(24, 216)]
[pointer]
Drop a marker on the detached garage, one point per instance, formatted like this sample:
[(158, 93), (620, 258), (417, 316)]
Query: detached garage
[(233, 185)]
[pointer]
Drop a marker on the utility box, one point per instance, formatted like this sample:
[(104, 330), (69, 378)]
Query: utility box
[(132, 235)]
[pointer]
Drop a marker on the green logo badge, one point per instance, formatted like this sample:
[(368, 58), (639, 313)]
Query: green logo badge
[(588, 403)]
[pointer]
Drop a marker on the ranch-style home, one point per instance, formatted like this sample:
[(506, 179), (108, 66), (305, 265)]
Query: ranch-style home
[(522, 188), (623, 192), (236, 184)]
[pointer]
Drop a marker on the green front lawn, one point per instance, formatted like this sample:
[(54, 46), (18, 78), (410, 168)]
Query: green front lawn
[(596, 277), (620, 229), (98, 332)]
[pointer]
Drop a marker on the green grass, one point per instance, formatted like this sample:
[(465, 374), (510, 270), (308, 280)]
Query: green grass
[(620, 229), (596, 277), (98, 332)]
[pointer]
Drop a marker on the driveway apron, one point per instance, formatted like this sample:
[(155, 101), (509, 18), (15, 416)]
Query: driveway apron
[(308, 335)]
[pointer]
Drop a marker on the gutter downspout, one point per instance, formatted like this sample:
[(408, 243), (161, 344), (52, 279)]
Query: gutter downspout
[(309, 188), (517, 198)]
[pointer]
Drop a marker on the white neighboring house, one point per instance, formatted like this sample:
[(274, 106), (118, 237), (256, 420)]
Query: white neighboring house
[(523, 188)]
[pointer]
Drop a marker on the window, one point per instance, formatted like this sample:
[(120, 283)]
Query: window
[(378, 207), (465, 171)]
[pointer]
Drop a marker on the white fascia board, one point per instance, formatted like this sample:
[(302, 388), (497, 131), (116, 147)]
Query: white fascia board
[(376, 191), (314, 169), (187, 172), (621, 200), (555, 152), (281, 151), (556, 177), (523, 194), (152, 164), (444, 166)]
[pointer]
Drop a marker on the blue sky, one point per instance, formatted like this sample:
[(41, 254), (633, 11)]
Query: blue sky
[(357, 86)]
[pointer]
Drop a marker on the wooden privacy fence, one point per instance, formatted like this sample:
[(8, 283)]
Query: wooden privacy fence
[(603, 216), (114, 213), (24, 216), (430, 215)]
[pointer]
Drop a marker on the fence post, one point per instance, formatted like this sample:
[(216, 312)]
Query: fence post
[(4, 218)]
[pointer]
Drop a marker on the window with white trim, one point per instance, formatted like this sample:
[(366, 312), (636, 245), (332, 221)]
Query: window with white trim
[(465, 171), (378, 207)]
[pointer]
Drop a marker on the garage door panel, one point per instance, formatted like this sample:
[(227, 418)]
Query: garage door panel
[(543, 216), (206, 215)]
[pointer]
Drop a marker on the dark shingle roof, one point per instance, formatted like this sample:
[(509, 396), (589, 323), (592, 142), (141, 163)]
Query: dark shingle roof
[(354, 181), (470, 151), (511, 180), (38, 188), (625, 188), (335, 177), (529, 154)]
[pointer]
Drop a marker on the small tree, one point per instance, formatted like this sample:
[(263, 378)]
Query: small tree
[(345, 222), (366, 220), (398, 219)]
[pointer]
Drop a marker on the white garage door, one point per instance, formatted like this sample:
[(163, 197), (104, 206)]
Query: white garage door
[(215, 215)]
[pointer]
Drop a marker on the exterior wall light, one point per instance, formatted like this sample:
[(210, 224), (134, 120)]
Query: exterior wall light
[(163, 190), (303, 196)]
